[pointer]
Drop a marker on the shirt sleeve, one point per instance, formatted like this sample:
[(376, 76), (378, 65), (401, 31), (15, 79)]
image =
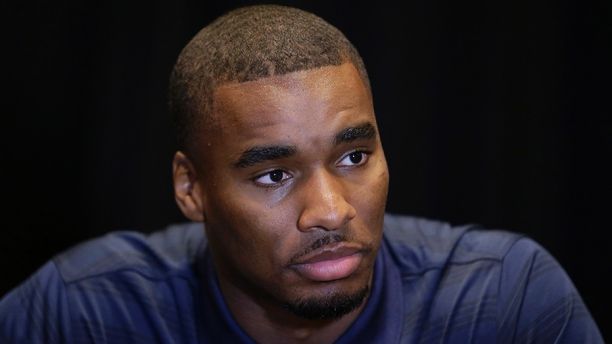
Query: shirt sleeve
[(37, 310), (539, 303)]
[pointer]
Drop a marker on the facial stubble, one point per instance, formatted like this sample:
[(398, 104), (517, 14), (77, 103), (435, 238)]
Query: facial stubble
[(328, 307), (333, 305)]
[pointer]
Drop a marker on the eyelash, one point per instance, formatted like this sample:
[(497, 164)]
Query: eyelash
[(365, 153)]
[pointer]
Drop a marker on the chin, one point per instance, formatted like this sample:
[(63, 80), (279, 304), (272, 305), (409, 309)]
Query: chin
[(334, 304), (329, 300)]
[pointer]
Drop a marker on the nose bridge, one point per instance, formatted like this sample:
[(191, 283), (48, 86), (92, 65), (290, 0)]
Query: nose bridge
[(324, 202)]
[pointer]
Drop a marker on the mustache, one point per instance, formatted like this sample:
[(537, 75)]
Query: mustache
[(320, 242)]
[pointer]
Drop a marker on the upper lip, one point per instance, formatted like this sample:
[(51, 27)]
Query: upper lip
[(329, 252)]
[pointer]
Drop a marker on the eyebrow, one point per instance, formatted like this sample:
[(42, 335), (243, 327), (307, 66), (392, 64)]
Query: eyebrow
[(258, 154), (363, 131)]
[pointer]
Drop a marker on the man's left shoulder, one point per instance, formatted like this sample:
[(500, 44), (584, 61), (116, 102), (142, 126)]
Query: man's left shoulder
[(434, 244), (502, 279)]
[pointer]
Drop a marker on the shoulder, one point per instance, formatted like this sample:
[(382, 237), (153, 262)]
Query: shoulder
[(419, 244), (519, 289), (538, 300), (35, 310), (124, 280), (154, 255)]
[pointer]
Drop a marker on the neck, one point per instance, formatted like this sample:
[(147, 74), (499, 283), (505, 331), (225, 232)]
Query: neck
[(269, 322)]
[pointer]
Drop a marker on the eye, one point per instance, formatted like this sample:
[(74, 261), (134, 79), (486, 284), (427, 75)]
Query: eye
[(354, 158), (272, 178)]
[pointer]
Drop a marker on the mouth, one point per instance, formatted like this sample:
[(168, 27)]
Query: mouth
[(330, 263)]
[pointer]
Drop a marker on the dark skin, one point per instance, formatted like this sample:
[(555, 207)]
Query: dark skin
[(295, 159)]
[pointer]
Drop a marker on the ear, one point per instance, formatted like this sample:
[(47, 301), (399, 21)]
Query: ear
[(187, 191)]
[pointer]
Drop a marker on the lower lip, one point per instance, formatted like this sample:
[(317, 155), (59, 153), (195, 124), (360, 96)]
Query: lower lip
[(330, 270)]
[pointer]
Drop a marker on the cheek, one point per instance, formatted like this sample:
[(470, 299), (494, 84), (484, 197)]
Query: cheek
[(373, 188), (251, 233)]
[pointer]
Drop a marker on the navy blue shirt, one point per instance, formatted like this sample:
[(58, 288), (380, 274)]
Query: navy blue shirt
[(432, 283)]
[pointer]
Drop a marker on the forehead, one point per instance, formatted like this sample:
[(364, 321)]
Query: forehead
[(303, 107), (340, 85)]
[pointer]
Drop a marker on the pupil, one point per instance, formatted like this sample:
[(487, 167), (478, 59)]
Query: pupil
[(356, 157), (276, 176)]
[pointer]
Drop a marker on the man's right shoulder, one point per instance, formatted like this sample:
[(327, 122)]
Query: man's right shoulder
[(155, 255), (107, 282)]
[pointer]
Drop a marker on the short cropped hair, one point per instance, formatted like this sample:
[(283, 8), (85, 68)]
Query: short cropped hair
[(247, 44)]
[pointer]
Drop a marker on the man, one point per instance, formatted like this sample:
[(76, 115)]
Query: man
[(280, 158)]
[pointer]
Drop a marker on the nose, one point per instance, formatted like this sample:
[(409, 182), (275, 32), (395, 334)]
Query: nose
[(325, 205)]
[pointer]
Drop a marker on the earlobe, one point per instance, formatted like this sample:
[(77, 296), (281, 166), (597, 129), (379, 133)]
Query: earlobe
[(187, 191)]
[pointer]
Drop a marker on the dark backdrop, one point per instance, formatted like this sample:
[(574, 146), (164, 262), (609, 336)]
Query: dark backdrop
[(490, 112)]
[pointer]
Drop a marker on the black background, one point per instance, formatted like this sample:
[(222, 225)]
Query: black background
[(491, 112)]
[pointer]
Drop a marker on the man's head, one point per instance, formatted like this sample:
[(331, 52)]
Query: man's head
[(247, 44), (281, 158)]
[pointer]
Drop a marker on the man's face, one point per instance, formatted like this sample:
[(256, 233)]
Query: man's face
[(294, 184)]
